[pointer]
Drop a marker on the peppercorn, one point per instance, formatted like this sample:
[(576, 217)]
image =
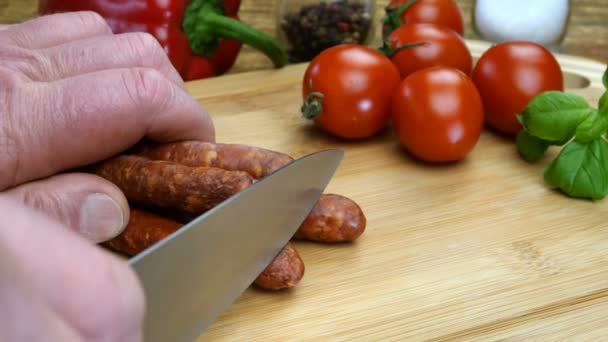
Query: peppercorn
[(317, 27)]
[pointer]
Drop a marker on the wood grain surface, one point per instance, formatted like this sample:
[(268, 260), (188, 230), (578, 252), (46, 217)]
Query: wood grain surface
[(479, 250), (587, 35)]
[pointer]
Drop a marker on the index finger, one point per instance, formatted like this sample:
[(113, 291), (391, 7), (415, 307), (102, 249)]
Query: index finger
[(55, 29), (81, 120)]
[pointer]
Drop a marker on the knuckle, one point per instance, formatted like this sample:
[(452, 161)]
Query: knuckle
[(36, 66), (47, 202), (143, 41), (92, 20), (146, 48), (148, 88), (9, 159), (25, 62), (20, 37)]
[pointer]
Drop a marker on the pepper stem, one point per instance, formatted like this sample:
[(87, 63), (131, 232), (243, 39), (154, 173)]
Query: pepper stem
[(313, 105), (205, 25)]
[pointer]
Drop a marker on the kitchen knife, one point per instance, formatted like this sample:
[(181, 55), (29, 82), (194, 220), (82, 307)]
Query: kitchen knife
[(193, 275)]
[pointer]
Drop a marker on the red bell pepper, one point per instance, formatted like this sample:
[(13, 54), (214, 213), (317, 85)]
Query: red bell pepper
[(201, 37)]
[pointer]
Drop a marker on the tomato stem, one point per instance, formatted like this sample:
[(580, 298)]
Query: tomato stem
[(389, 51), (392, 19), (313, 105)]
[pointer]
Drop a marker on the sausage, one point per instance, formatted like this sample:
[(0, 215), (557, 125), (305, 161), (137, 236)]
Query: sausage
[(333, 219), (145, 229), (285, 271), (162, 184), (258, 162)]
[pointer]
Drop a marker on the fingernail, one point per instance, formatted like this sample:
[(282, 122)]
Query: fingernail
[(101, 218)]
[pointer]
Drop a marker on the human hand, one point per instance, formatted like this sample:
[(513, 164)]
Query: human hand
[(71, 94)]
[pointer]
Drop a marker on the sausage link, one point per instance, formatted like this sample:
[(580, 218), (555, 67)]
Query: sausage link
[(285, 271), (334, 218), (143, 230), (162, 184), (258, 162)]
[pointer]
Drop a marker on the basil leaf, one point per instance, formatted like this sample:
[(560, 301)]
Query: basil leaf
[(603, 105), (554, 116), (581, 170), (605, 78), (530, 148), (593, 127)]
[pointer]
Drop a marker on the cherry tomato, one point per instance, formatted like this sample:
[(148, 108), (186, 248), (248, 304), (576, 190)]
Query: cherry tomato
[(438, 114), (441, 47), (437, 12), (509, 75), (347, 90)]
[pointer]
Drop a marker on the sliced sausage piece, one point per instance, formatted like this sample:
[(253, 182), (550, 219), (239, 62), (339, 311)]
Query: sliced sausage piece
[(285, 271), (333, 219), (193, 190), (258, 162)]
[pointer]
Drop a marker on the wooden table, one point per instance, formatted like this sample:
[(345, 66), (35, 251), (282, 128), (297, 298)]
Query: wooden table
[(587, 35)]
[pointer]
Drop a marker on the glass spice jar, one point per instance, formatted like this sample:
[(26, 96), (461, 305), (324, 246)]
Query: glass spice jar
[(542, 21), (308, 27)]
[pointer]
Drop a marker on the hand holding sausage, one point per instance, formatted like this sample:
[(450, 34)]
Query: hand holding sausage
[(192, 177), (74, 94)]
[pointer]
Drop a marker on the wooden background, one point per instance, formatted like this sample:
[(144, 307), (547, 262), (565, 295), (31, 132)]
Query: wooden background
[(587, 35)]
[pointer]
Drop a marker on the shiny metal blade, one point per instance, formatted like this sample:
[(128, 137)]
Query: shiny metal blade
[(192, 276)]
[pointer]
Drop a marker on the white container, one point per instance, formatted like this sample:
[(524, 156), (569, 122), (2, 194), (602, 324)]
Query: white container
[(541, 21)]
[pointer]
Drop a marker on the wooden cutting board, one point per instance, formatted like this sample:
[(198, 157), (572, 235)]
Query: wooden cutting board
[(478, 250)]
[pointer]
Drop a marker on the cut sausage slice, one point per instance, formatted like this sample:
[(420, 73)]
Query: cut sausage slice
[(333, 219), (285, 271)]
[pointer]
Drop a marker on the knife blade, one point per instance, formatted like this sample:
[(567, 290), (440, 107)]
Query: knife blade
[(193, 275)]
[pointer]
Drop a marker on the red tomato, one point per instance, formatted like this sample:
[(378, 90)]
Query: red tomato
[(437, 12), (442, 47), (509, 75), (347, 90), (438, 114)]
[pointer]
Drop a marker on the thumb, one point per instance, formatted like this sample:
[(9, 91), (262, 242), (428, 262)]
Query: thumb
[(86, 203)]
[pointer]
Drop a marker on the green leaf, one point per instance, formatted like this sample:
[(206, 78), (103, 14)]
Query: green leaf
[(530, 148), (554, 116), (603, 103), (593, 127), (605, 78), (581, 170)]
